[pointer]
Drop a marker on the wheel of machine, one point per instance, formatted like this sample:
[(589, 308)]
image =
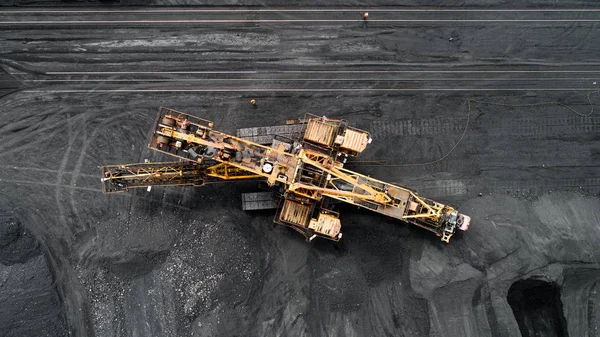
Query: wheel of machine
[(162, 140), (168, 121), (459, 221)]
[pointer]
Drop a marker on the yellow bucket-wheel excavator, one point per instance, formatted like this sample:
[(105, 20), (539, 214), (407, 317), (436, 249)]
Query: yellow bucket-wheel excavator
[(303, 168)]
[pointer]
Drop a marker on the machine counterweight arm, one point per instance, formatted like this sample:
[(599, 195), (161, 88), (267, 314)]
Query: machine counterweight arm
[(194, 139), (373, 194), (329, 191), (435, 212)]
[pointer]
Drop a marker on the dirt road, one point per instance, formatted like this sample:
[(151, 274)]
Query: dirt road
[(80, 88)]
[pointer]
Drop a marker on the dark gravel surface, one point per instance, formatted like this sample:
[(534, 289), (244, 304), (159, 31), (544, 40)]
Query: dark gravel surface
[(190, 262)]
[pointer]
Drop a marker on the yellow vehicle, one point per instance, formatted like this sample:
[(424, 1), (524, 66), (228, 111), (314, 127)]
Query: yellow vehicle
[(309, 169)]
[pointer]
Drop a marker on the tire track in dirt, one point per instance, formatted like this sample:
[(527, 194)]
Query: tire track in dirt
[(543, 127), (59, 174), (84, 146), (43, 183), (28, 144), (443, 188), (4, 168), (75, 175), (416, 127), (525, 187), (34, 125), (77, 169), (539, 186), (537, 127)]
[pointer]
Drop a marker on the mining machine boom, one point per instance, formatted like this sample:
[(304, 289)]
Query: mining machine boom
[(306, 172)]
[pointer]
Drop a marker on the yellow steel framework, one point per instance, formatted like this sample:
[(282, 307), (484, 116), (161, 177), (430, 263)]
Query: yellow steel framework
[(226, 171), (307, 174), (119, 178)]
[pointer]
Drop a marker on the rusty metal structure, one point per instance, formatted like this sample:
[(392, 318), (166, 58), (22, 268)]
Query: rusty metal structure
[(304, 171)]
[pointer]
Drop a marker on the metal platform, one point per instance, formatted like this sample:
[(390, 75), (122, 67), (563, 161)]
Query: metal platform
[(258, 200), (264, 135)]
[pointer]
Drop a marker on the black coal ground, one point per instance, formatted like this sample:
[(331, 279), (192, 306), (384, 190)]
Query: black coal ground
[(189, 262)]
